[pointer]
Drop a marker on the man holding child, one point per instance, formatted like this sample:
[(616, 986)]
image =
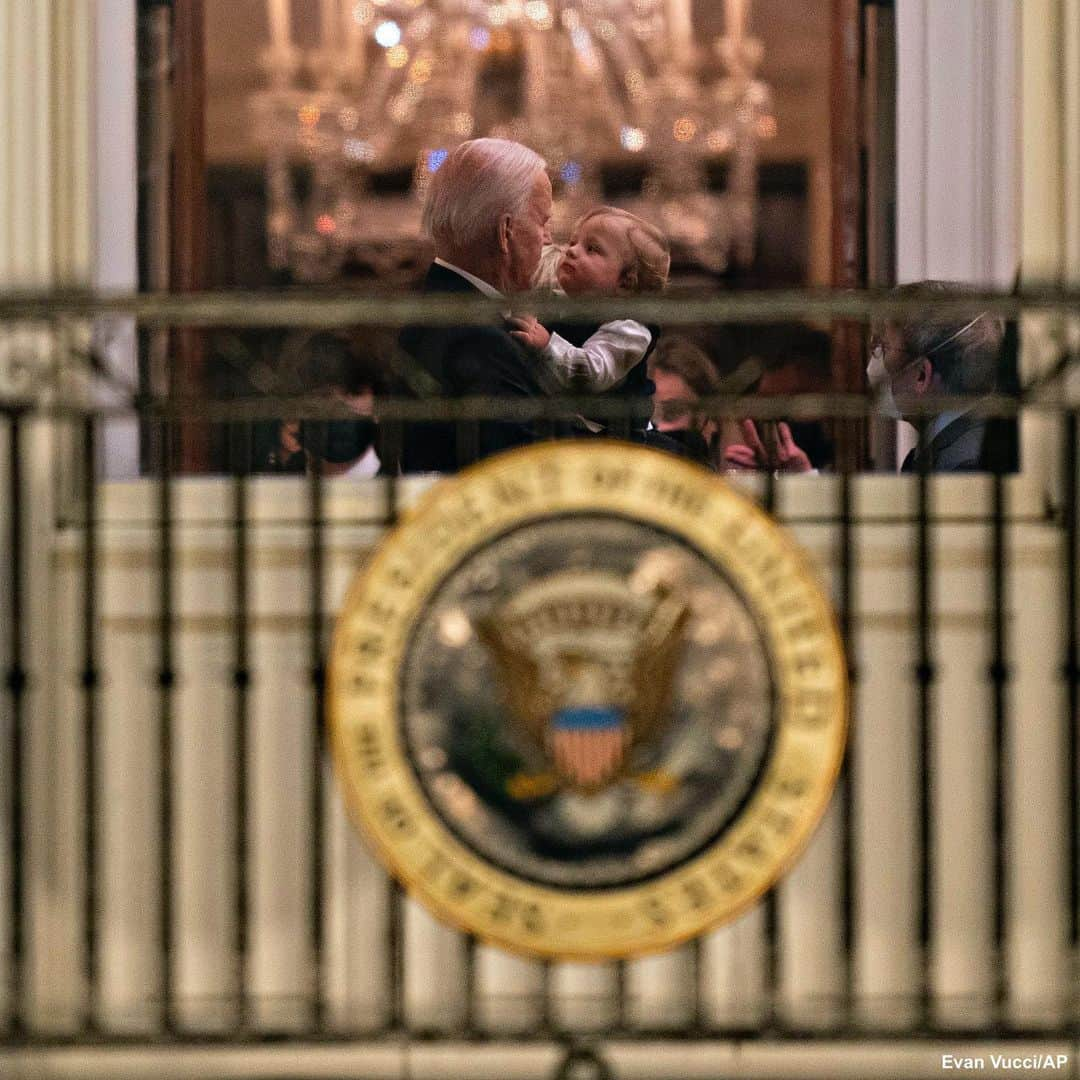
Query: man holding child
[(488, 212)]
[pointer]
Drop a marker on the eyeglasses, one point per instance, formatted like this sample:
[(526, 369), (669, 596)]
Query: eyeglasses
[(877, 358)]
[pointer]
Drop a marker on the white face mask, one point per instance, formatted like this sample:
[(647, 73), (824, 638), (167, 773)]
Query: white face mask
[(881, 382)]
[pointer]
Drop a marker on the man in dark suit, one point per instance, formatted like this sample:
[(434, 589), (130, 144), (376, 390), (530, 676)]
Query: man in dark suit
[(487, 211), (932, 355)]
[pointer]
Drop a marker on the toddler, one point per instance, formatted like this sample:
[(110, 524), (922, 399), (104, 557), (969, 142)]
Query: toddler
[(611, 252)]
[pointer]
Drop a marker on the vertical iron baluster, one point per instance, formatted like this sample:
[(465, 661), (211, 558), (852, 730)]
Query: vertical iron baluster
[(621, 426), (769, 902), (621, 1004), (393, 499), (469, 987), (241, 703), (768, 495), (925, 675), (16, 685), (547, 1020), (90, 682), (318, 682), (391, 445), (166, 685), (698, 1018), (999, 677), (467, 437), (848, 806), (466, 442), (1072, 665), (395, 944), (545, 429)]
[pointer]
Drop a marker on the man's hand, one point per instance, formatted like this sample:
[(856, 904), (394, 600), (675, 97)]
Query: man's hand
[(781, 454), (528, 331)]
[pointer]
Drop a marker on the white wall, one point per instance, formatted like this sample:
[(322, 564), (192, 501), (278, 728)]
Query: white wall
[(45, 243), (1051, 196), (958, 140), (958, 145)]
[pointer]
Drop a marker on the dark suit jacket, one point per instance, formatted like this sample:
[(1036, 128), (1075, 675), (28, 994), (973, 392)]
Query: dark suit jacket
[(968, 444), (467, 361)]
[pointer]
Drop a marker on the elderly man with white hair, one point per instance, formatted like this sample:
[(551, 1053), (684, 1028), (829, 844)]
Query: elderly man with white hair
[(487, 211)]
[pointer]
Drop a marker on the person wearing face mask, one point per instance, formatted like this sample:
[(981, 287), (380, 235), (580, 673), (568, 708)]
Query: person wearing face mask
[(933, 356), (328, 363), (682, 374)]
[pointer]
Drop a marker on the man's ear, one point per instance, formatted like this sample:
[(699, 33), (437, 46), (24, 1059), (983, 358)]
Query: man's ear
[(506, 228), (924, 375)]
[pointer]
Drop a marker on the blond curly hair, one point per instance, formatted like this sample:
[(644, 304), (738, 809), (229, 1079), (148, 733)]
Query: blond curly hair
[(652, 252)]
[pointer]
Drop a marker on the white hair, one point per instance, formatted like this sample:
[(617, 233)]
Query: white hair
[(479, 182)]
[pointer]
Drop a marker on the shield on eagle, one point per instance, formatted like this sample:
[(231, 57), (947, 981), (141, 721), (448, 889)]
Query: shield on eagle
[(586, 666), (587, 744)]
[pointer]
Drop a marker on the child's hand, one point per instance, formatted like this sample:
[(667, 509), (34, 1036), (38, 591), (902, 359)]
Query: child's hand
[(528, 331)]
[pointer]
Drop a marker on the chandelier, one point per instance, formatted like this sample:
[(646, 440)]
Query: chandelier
[(615, 94)]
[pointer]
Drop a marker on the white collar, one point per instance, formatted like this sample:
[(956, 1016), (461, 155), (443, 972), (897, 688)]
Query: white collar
[(483, 286), (365, 466)]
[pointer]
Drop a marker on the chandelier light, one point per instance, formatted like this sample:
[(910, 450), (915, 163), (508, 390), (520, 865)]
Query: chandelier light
[(601, 88)]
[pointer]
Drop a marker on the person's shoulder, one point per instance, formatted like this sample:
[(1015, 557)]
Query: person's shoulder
[(959, 446), (486, 359), (486, 341), (441, 278)]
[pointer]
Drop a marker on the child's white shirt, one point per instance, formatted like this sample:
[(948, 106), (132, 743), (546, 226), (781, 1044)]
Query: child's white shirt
[(607, 356), (603, 361)]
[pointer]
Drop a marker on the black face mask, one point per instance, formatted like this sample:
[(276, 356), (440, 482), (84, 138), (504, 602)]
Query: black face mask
[(692, 441), (337, 441)]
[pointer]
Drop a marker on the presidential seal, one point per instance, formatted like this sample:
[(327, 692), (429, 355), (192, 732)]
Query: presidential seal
[(587, 701)]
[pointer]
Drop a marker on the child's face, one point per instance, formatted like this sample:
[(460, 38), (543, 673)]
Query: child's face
[(597, 258)]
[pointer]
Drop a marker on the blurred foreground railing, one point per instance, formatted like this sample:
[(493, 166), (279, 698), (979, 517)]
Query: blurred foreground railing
[(176, 868)]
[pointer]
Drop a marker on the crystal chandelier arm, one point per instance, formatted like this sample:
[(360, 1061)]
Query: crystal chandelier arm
[(396, 80), (537, 81), (630, 63), (605, 106), (735, 18), (465, 81), (375, 93), (377, 96), (621, 110), (280, 17), (354, 55), (680, 32), (653, 47), (330, 35), (403, 81)]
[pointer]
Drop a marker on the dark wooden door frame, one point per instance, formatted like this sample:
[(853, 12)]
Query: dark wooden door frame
[(848, 218), (189, 218)]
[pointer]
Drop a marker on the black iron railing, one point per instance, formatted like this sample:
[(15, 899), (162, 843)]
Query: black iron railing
[(20, 415)]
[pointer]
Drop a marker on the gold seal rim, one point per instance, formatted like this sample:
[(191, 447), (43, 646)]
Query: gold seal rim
[(525, 895)]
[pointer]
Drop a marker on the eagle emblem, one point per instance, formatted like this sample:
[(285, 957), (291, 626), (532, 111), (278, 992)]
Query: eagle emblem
[(586, 667)]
